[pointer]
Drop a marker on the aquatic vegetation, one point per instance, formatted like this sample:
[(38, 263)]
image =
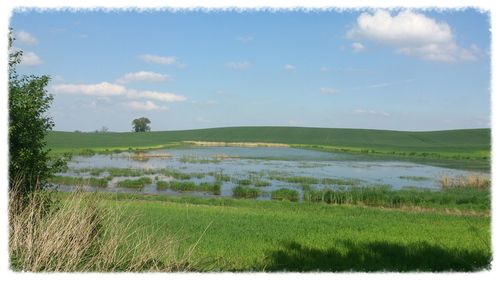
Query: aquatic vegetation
[(261, 183), (285, 194), (220, 176), (187, 186), (78, 181), (195, 159), (333, 181), (245, 192), (244, 182), (311, 180), (414, 178), (135, 183)]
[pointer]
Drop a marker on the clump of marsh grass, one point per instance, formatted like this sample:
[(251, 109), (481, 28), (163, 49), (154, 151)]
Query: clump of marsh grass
[(79, 234), (285, 194), (187, 186), (245, 192), (137, 183), (474, 181)]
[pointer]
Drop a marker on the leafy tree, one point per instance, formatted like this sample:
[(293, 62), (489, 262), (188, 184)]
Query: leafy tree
[(141, 124), (29, 162)]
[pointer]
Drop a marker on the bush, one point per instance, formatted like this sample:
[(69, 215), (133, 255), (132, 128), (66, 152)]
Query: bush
[(29, 163)]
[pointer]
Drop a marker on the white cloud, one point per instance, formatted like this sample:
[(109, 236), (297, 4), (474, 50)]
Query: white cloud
[(30, 59), (245, 39), (379, 85), (142, 76), (160, 96), (357, 47), (159, 59), (411, 34), (101, 89), (106, 89), (238, 65), (26, 38), (289, 67), (328, 90), (371, 112), (145, 106)]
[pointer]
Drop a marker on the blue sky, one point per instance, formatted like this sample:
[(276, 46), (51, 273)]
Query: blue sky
[(397, 69)]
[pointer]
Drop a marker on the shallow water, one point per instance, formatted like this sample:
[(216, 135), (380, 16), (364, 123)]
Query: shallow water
[(265, 163)]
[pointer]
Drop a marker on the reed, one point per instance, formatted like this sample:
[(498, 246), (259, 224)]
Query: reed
[(473, 180), (79, 234)]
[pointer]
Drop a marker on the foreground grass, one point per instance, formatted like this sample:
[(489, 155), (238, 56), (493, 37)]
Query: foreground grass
[(249, 235), (79, 233)]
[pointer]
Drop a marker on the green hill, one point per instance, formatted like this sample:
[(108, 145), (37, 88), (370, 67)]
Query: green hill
[(468, 142)]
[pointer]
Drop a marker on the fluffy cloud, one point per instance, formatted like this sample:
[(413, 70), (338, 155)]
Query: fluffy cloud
[(159, 59), (102, 89), (328, 90), (411, 34), (142, 76), (357, 47), (371, 112), (160, 96), (30, 59), (289, 67), (106, 89), (145, 106), (238, 65), (26, 38)]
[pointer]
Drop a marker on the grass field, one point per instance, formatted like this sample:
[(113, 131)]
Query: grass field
[(249, 235), (468, 144)]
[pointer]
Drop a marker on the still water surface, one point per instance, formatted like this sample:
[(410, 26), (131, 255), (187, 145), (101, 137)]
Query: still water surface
[(264, 162)]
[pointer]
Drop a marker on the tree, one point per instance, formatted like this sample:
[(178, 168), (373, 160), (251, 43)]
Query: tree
[(141, 124), (30, 165)]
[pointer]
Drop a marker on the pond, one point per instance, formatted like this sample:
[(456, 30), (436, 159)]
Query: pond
[(264, 168)]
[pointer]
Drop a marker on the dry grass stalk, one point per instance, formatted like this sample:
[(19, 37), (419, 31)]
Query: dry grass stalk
[(82, 235), (475, 181)]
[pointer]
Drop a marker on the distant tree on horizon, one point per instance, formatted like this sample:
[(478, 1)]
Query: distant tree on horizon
[(141, 124)]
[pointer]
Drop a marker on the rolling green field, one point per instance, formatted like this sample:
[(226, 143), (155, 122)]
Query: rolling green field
[(472, 143), (249, 235)]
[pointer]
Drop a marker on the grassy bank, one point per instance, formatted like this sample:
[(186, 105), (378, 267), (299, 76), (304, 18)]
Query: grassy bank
[(466, 145), (249, 235)]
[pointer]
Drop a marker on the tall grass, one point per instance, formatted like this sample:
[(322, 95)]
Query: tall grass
[(384, 196), (80, 234), (474, 181)]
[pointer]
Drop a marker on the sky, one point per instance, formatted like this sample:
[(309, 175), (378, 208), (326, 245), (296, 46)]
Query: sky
[(377, 69)]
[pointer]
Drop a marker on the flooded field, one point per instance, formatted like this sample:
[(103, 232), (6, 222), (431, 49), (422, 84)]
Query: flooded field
[(260, 172)]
